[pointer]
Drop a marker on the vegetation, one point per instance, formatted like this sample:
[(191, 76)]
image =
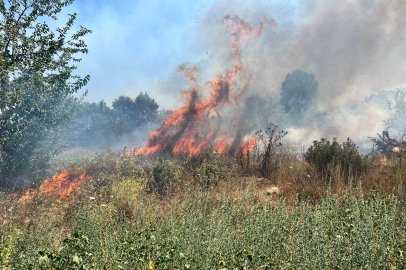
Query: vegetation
[(299, 95), (118, 210), (36, 84), (98, 126), (116, 219), (328, 158), (299, 89)]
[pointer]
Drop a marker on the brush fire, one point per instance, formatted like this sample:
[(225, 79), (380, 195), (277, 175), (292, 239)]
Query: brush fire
[(199, 124), (59, 186)]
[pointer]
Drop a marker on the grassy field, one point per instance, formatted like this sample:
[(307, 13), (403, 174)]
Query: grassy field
[(205, 212)]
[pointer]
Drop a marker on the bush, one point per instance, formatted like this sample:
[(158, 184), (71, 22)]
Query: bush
[(213, 167), (328, 158), (165, 173)]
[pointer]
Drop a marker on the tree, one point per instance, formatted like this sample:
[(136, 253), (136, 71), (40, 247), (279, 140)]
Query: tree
[(96, 125), (36, 83), (135, 112), (93, 126), (147, 108), (299, 91)]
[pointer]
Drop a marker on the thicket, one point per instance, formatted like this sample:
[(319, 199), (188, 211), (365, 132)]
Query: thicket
[(332, 158), (206, 211), (37, 81)]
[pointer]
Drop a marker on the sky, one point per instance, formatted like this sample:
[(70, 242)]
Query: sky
[(137, 44), (355, 48), (134, 43)]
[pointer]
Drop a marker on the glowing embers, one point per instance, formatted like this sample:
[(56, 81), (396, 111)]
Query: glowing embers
[(383, 161), (59, 187)]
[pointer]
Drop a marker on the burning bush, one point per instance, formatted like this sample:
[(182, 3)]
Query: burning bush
[(330, 158)]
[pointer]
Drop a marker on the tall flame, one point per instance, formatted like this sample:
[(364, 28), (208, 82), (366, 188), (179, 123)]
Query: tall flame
[(197, 125)]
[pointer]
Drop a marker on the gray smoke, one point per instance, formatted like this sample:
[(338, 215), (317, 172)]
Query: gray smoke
[(355, 49)]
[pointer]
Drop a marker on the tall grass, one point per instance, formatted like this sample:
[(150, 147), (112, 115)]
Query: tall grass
[(209, 213), (340, 232)]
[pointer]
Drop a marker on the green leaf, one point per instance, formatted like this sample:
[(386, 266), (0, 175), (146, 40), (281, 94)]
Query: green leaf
[(76, 259), (43, 260)]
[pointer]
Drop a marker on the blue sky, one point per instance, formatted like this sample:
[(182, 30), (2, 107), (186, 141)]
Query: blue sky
[(134, 42), (137, 43)]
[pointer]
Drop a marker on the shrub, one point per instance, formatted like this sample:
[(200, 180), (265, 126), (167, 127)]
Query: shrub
[(213, 167), (165, 172), (126, 193), (328, 157)]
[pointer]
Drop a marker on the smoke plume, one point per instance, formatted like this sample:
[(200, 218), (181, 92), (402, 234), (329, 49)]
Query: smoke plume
[(355, 49)]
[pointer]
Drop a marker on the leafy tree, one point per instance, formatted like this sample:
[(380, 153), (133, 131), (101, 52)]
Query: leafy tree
[(97, 125), (93, 126), (36, 83), (299, 91), (135, 112), (147, 108)]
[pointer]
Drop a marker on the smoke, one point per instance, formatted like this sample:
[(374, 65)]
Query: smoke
[(354, 48)]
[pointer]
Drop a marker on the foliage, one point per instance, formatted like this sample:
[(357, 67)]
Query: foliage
[(98, 125), (94, 125), (136, 112), (299, 94), (339, 232), (211, 167), (328, 157), (121, 227), (166, 172), (75, 254), (8, 246), (36, 83)]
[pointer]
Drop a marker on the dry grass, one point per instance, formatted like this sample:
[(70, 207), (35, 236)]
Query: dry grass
[(113, 186)]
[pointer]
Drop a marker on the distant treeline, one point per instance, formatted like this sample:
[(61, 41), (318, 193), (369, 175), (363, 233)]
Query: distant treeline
[(98, 125), (129, 120)]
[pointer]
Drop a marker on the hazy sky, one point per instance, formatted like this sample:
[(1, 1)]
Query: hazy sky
[(355, 48), (136, 42), (136, 45)]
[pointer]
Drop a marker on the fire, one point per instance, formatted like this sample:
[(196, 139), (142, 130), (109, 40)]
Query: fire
[(60, 186), (198, 124), (383, 160), (248, 144)]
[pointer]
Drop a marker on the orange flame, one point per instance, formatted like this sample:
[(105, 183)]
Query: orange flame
[(383, 160), (60, 186), (248, 144), (197, 125)]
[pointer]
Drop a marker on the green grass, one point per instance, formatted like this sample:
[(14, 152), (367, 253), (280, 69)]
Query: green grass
[(198, 213), (347, 232)]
